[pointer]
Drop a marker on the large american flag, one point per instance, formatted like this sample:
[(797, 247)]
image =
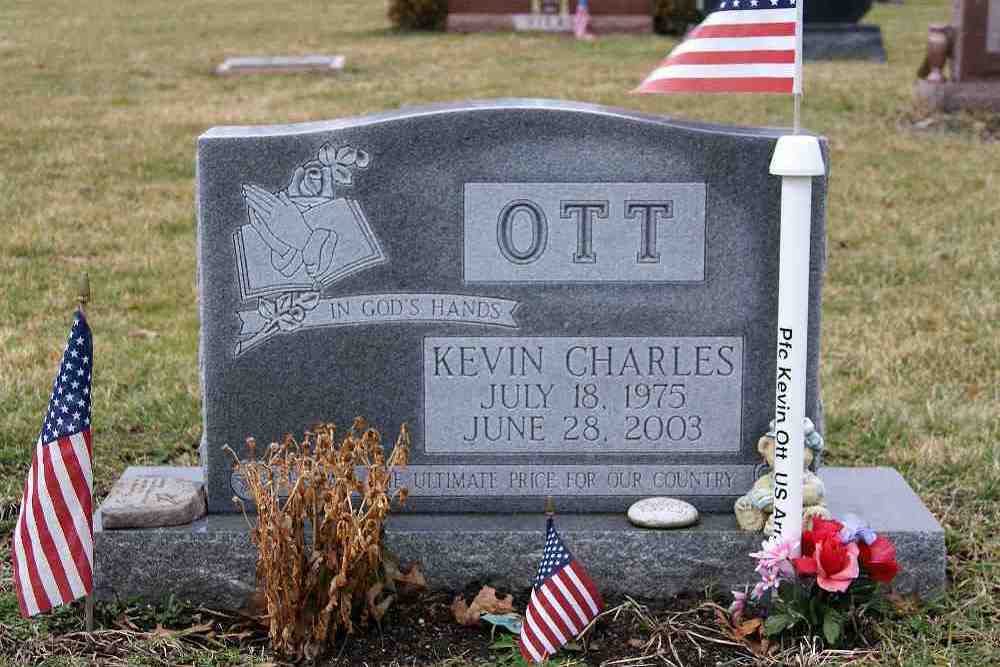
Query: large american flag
[(563, 601), (744, 46), (53, 542)]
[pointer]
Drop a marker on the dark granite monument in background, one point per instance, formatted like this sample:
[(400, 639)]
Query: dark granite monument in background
[(832, 31)]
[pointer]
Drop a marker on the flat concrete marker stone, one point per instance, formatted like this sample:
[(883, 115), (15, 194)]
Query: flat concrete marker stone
[(278, 64), (153, 502), (662, 512)]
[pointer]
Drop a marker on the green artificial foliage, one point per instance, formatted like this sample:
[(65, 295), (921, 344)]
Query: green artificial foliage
[(419, 14), (674, 17)]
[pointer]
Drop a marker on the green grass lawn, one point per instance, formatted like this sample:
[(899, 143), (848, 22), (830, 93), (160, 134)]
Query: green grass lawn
[(102, 103)]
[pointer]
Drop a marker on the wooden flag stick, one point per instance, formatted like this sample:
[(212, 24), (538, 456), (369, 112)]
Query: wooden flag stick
[(83, 292), (550, 507), (83, 297)]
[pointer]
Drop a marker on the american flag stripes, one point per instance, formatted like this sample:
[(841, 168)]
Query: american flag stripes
[(744, 46), (53, 541), (564, 601)]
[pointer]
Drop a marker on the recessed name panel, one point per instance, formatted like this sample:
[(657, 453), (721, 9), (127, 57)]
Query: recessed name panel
[(584, 232)]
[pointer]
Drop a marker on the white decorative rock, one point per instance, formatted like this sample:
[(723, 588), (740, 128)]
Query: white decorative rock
[(662, 512)]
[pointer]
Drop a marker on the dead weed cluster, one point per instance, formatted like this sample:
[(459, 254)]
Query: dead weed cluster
[(321, 507)]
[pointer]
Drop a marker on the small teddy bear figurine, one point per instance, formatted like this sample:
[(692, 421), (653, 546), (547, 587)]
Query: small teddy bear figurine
[(754, 510)]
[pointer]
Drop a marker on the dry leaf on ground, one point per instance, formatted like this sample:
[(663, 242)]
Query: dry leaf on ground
[(486, 602), (378, 609), (749, 632), (406, 583), (411, 581)]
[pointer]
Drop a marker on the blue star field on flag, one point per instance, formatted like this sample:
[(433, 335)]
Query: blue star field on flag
[(756, 4), (554, 557), (69, 408)]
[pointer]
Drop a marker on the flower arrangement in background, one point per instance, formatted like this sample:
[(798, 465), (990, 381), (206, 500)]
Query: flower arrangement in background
[(835, 581)]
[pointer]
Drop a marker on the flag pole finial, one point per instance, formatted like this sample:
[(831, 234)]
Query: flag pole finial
[(83, 293), (550, 506)]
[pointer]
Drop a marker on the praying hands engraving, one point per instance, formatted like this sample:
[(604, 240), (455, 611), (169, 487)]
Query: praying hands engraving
[(280, 222), (291, 221)]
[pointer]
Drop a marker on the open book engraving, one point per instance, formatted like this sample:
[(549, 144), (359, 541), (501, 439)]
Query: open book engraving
[(303, 238)]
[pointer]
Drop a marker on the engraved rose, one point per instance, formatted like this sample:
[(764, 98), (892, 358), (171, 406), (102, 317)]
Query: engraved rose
[(331, 167), (313, 179), (288, 311)]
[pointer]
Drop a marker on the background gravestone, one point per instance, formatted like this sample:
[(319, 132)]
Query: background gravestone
[(832, 31), (492, 15), (972, 43), (559, 299), (835, 11), (977, 41)]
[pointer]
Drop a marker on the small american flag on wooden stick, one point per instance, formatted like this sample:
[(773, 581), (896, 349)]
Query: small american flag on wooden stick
[(564, 600), (53, 545), (744, 46)]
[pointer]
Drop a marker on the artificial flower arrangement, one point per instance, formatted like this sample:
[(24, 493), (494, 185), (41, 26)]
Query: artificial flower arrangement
[(836, 579)]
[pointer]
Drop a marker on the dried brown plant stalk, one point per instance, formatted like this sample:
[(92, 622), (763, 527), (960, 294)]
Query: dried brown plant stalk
[(319, 531)]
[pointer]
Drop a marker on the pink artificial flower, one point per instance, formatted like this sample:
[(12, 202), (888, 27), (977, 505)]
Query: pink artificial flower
[(834, 564), (775, 557), (768, 581), (738, 606)]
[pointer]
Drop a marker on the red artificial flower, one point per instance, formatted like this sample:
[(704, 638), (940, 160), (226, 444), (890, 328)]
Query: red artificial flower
[(822, 529), (879, 559)]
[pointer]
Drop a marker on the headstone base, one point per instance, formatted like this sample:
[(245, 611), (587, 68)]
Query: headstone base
[(957, 95), (212, 561), (843, 41)]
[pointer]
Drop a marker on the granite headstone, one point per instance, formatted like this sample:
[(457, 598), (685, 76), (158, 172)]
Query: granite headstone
[(972, 45), (606, 16), (559, 299), (977, 43), (832, 31), (835, 11)]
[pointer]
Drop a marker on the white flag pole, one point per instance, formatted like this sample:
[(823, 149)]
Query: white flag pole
[(797, 84), (797, 159)]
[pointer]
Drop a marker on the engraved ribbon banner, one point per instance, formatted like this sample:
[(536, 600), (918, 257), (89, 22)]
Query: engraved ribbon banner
[(293, 311)]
